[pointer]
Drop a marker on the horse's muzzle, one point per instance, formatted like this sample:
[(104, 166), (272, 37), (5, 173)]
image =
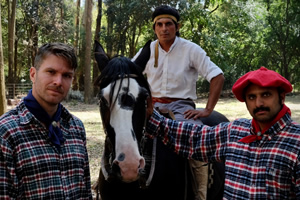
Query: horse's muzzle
[(127, 170)]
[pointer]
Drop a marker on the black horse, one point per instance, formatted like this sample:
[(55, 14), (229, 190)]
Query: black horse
[(134, 166)]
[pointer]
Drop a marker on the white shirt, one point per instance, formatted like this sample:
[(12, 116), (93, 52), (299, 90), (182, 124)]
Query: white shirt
[(178, 69)]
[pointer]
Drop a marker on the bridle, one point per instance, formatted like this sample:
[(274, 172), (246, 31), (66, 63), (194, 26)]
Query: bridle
[(107, 166)]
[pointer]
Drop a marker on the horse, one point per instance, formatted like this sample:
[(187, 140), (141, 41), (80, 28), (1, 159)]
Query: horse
[(132, 165)]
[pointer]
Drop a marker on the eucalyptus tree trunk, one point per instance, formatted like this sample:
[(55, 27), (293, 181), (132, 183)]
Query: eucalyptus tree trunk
[(75, 83), (97, 37), (2, 76), (88, 50), (77, 26), (11, 38), (34, 40)]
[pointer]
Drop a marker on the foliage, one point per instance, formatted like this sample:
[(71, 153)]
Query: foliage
[(237, 35)]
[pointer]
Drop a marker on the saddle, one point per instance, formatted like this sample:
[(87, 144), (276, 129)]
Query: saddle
[(166, 113)]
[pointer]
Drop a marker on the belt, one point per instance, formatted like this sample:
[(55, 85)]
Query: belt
[(165, 99)]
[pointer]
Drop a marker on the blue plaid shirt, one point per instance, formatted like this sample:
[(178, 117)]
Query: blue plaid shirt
[(265, 169), (30, 165)]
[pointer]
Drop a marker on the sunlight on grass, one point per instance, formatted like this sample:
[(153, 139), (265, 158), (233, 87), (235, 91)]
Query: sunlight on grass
[(231, 108)]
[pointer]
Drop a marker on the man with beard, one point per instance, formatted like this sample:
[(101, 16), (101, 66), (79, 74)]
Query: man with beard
[(43, 151), (261, 154)]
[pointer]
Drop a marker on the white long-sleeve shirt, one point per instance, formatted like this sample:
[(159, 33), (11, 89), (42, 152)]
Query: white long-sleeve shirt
[(178, 69)]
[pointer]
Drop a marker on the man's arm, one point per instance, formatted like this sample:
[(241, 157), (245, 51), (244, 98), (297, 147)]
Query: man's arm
[(199, 142), (215, 89)]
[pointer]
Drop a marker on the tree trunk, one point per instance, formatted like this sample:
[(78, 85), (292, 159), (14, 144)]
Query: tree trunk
[(2, 76), (75, 85), (97, 37), (11, 38), (34, 30), (62, 13), (77, 26), (110, 26), (16, 74), (87, 63)]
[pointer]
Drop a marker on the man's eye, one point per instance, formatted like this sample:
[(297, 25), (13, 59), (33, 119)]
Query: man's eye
[(251, 97), (68, 76), (51, 72)]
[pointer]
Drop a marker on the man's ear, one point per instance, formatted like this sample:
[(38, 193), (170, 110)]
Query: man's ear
[(178, 26), (32, 74), (282, 98)]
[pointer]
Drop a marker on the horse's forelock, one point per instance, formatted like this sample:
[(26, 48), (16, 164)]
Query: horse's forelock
[(118, 68)]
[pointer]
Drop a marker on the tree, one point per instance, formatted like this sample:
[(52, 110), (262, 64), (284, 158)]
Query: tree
[(282, 36), (2, 77), (88, 50), (237, 35), (97, 37), (11, 38), (33, 34), (76, 34)]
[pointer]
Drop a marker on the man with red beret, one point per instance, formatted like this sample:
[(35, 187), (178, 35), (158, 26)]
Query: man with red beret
[(261, 154)]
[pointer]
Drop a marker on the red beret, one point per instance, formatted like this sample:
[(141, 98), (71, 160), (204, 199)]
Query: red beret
[(262, 77)]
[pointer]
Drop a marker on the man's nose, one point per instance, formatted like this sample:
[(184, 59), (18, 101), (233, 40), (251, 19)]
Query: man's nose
[(164, 27), (58, 80), (259, 102)]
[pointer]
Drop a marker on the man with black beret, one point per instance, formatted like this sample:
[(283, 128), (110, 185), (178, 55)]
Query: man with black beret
[(261, 154), (172, 71)]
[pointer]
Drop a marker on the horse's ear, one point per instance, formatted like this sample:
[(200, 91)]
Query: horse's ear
[(101, 58), (144, 56)]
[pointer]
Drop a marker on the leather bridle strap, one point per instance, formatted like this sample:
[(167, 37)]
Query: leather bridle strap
[(156, 54)]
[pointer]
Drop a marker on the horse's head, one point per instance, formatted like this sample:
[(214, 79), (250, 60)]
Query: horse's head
[(125, 102)]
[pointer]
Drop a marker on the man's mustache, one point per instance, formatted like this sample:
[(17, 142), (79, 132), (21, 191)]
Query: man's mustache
[(261, 109)]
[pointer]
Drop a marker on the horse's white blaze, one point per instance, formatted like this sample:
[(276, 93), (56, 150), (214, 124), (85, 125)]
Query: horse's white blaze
[(126, 147)]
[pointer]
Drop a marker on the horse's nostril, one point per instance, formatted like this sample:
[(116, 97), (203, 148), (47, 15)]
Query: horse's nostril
[(116, 162), (142, 163)]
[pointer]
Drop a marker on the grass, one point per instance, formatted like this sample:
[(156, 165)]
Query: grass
[(234, 109), (90, 116)]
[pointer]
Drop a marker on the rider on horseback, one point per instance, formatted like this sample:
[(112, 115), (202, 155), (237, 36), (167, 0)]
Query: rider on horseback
[(172, 72)]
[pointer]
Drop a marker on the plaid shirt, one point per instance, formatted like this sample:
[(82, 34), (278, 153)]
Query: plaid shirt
[(265, 169), (30, 165)]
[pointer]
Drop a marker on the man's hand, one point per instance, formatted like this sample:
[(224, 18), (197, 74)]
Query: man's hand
[(195, 114)]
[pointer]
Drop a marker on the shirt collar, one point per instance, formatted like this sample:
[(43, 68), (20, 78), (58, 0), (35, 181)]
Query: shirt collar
[(172, 46), (276, 127), (26, 116)]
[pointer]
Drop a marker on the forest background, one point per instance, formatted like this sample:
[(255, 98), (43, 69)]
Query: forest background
[(238, 35)]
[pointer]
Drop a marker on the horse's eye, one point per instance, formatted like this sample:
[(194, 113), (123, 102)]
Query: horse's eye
[(127, 101)]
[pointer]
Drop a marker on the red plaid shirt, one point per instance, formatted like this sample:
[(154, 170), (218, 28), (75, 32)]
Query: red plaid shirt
[(30, 165), (265, 169)]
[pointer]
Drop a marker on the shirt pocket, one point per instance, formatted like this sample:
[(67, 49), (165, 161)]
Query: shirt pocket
[(278, 183)]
